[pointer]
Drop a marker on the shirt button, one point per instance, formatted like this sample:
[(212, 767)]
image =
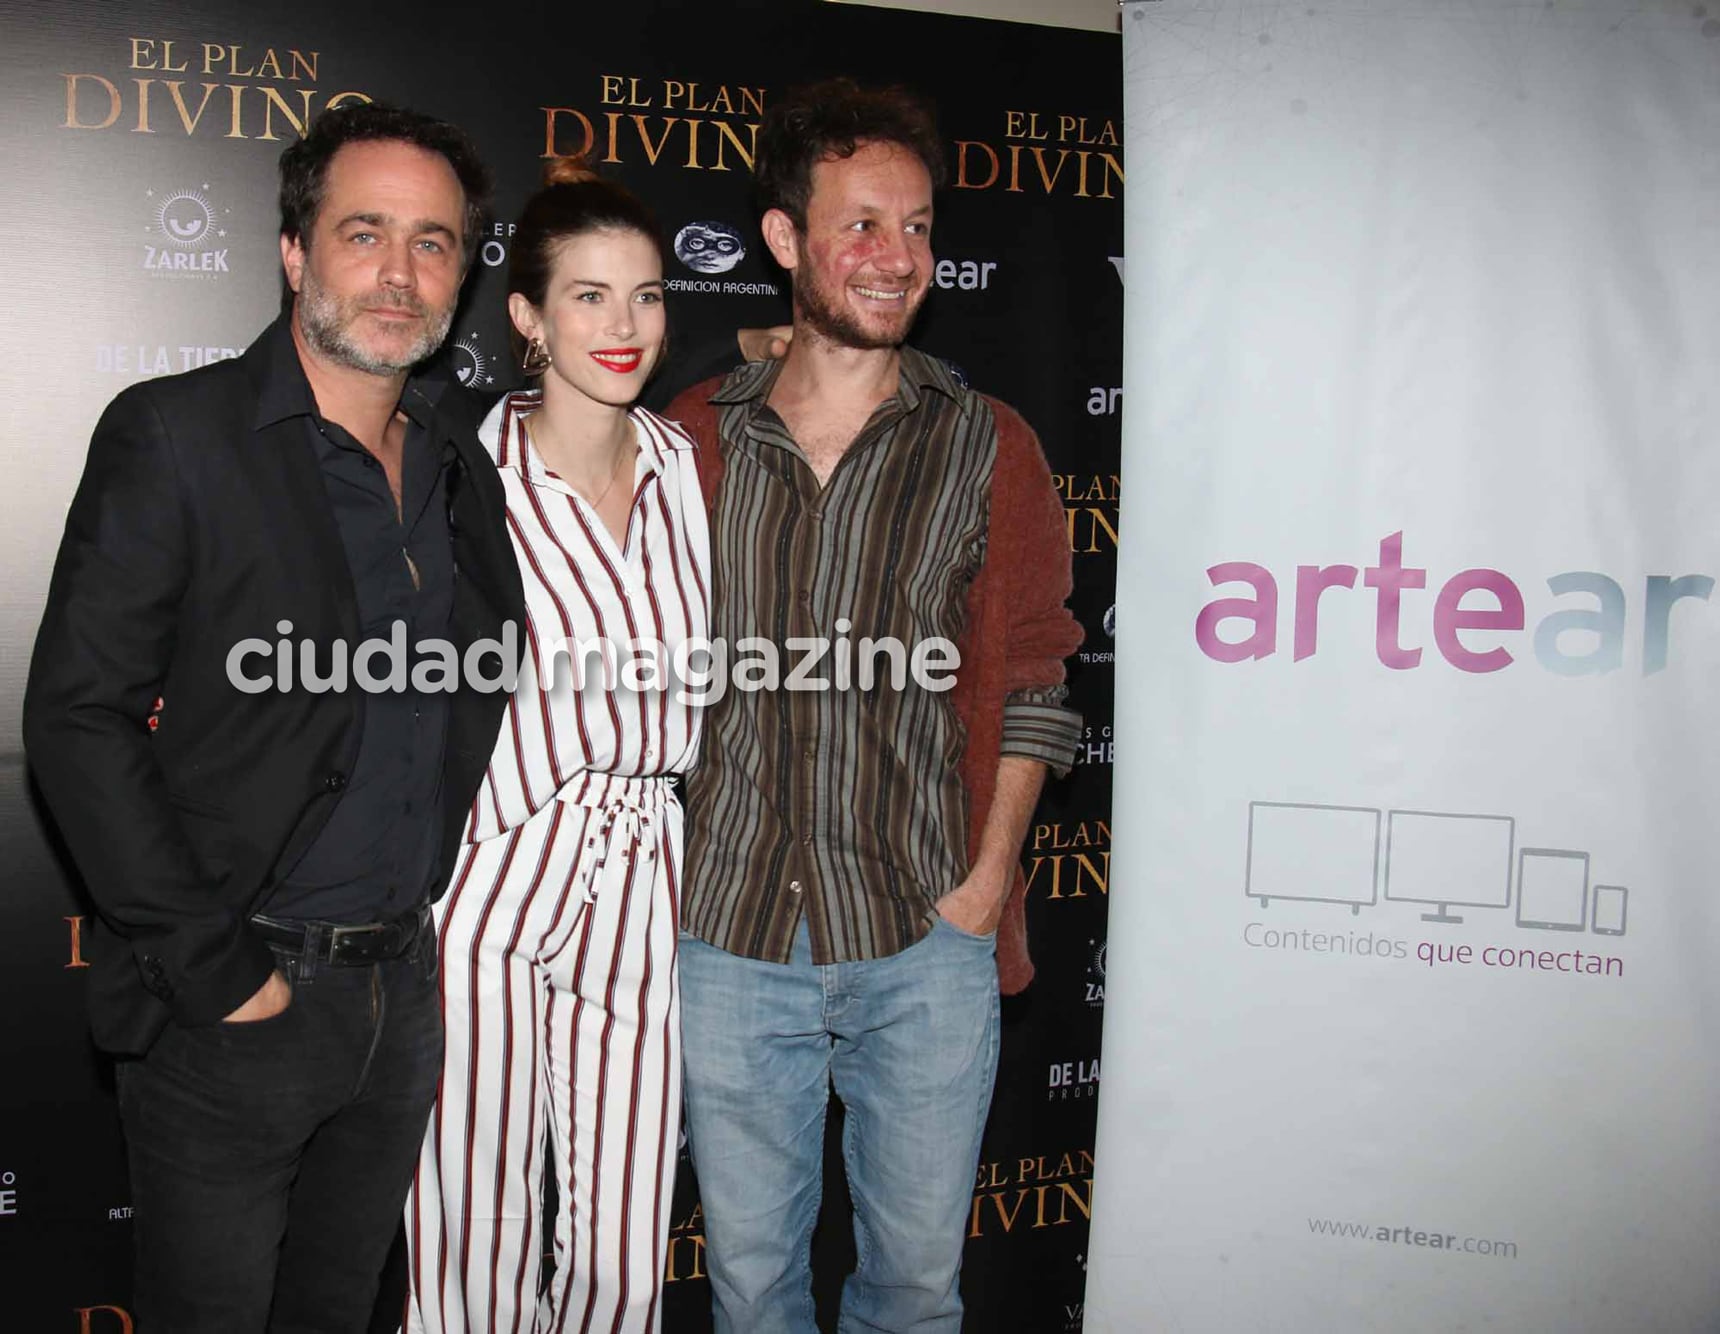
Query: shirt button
[(805, 596), (335, 782), (806, 838), (794, 886)]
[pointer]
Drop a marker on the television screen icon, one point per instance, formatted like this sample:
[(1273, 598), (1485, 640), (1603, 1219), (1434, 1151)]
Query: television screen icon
[(1449, 860), (1313, 853), (1608, 914), (1553, 889)]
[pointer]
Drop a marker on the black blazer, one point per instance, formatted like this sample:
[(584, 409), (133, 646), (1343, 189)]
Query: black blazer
[(199, 523)]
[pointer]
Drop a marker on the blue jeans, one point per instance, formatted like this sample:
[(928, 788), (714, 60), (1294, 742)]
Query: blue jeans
[(270, 1160), (910, 1044)]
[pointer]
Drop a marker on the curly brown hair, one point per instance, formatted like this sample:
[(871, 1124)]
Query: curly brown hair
[(832, 119)]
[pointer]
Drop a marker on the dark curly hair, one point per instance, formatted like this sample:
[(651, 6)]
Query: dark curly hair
[(304, 165), (831, 120)]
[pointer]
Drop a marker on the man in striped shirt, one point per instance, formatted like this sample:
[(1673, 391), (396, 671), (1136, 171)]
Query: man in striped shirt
[(853, 894)]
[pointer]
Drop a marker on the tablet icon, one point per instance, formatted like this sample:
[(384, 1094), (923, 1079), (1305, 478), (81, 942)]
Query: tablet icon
[(1553, 889)]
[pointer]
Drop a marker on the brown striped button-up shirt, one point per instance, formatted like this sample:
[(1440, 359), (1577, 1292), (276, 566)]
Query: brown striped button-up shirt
[(845, 804)]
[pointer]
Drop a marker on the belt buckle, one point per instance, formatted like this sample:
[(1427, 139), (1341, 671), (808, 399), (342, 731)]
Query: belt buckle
[(340, 935)]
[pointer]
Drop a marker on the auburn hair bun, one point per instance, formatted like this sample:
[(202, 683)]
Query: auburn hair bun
[(570, 170)]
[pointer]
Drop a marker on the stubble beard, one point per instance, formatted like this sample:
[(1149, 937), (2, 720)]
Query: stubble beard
[(824, 316), (327, 321)]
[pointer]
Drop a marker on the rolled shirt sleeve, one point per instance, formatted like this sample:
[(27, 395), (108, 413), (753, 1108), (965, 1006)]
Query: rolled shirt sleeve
[(1037, 726)]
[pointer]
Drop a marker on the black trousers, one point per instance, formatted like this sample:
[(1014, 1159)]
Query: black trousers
[(270, 1161)]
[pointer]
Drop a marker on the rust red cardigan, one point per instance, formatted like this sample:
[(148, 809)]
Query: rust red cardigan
[(1018, 629)]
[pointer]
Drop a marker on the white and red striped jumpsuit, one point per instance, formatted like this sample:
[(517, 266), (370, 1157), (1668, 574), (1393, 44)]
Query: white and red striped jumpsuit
[(558, 928)]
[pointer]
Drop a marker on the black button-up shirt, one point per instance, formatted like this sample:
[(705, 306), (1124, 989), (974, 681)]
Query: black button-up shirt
[(377, 855)]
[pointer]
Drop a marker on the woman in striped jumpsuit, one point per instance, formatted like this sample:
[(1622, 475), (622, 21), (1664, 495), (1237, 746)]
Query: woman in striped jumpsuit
[(558, 930)]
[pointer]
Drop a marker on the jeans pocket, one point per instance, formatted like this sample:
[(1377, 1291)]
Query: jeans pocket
[(989, 939), (242, 1029)]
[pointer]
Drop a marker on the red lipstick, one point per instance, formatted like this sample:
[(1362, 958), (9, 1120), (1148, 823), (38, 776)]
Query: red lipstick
[(621, 360)]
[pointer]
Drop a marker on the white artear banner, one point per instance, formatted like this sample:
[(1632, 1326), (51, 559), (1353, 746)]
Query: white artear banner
[(1413, 1005)]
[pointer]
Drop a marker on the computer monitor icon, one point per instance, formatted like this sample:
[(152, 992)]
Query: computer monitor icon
[(1449, 860)]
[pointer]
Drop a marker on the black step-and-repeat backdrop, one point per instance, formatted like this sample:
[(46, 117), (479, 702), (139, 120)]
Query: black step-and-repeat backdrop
[(138, 238)]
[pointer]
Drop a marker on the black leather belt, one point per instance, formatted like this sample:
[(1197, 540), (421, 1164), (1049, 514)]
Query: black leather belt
[(338, 944)]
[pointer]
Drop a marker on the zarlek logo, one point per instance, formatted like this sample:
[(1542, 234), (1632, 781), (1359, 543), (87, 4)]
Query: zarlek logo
[(1597, 624), (184, 227), (709, 247), (471, 363), (1096, 973)]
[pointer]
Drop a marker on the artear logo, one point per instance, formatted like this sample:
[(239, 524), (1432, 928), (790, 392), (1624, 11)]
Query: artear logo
[(471, 363), (965, 275), (185, 227), (1581, 638), (709, 247)]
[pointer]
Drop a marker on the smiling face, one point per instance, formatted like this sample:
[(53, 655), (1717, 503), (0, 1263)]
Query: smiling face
[(863, 264), (379, 274), (602, 320)]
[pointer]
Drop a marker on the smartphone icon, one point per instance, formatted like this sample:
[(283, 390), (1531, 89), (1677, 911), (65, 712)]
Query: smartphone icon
[(1609, 910)]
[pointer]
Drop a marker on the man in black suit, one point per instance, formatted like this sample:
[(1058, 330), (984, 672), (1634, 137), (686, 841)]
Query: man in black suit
[(262, 851)]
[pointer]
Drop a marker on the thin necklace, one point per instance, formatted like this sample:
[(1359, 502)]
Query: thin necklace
[(614, 471)]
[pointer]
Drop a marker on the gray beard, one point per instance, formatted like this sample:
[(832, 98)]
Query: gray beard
[(324, 319)]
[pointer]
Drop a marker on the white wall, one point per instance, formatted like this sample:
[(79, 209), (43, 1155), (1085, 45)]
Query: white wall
[(1095, 15)]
